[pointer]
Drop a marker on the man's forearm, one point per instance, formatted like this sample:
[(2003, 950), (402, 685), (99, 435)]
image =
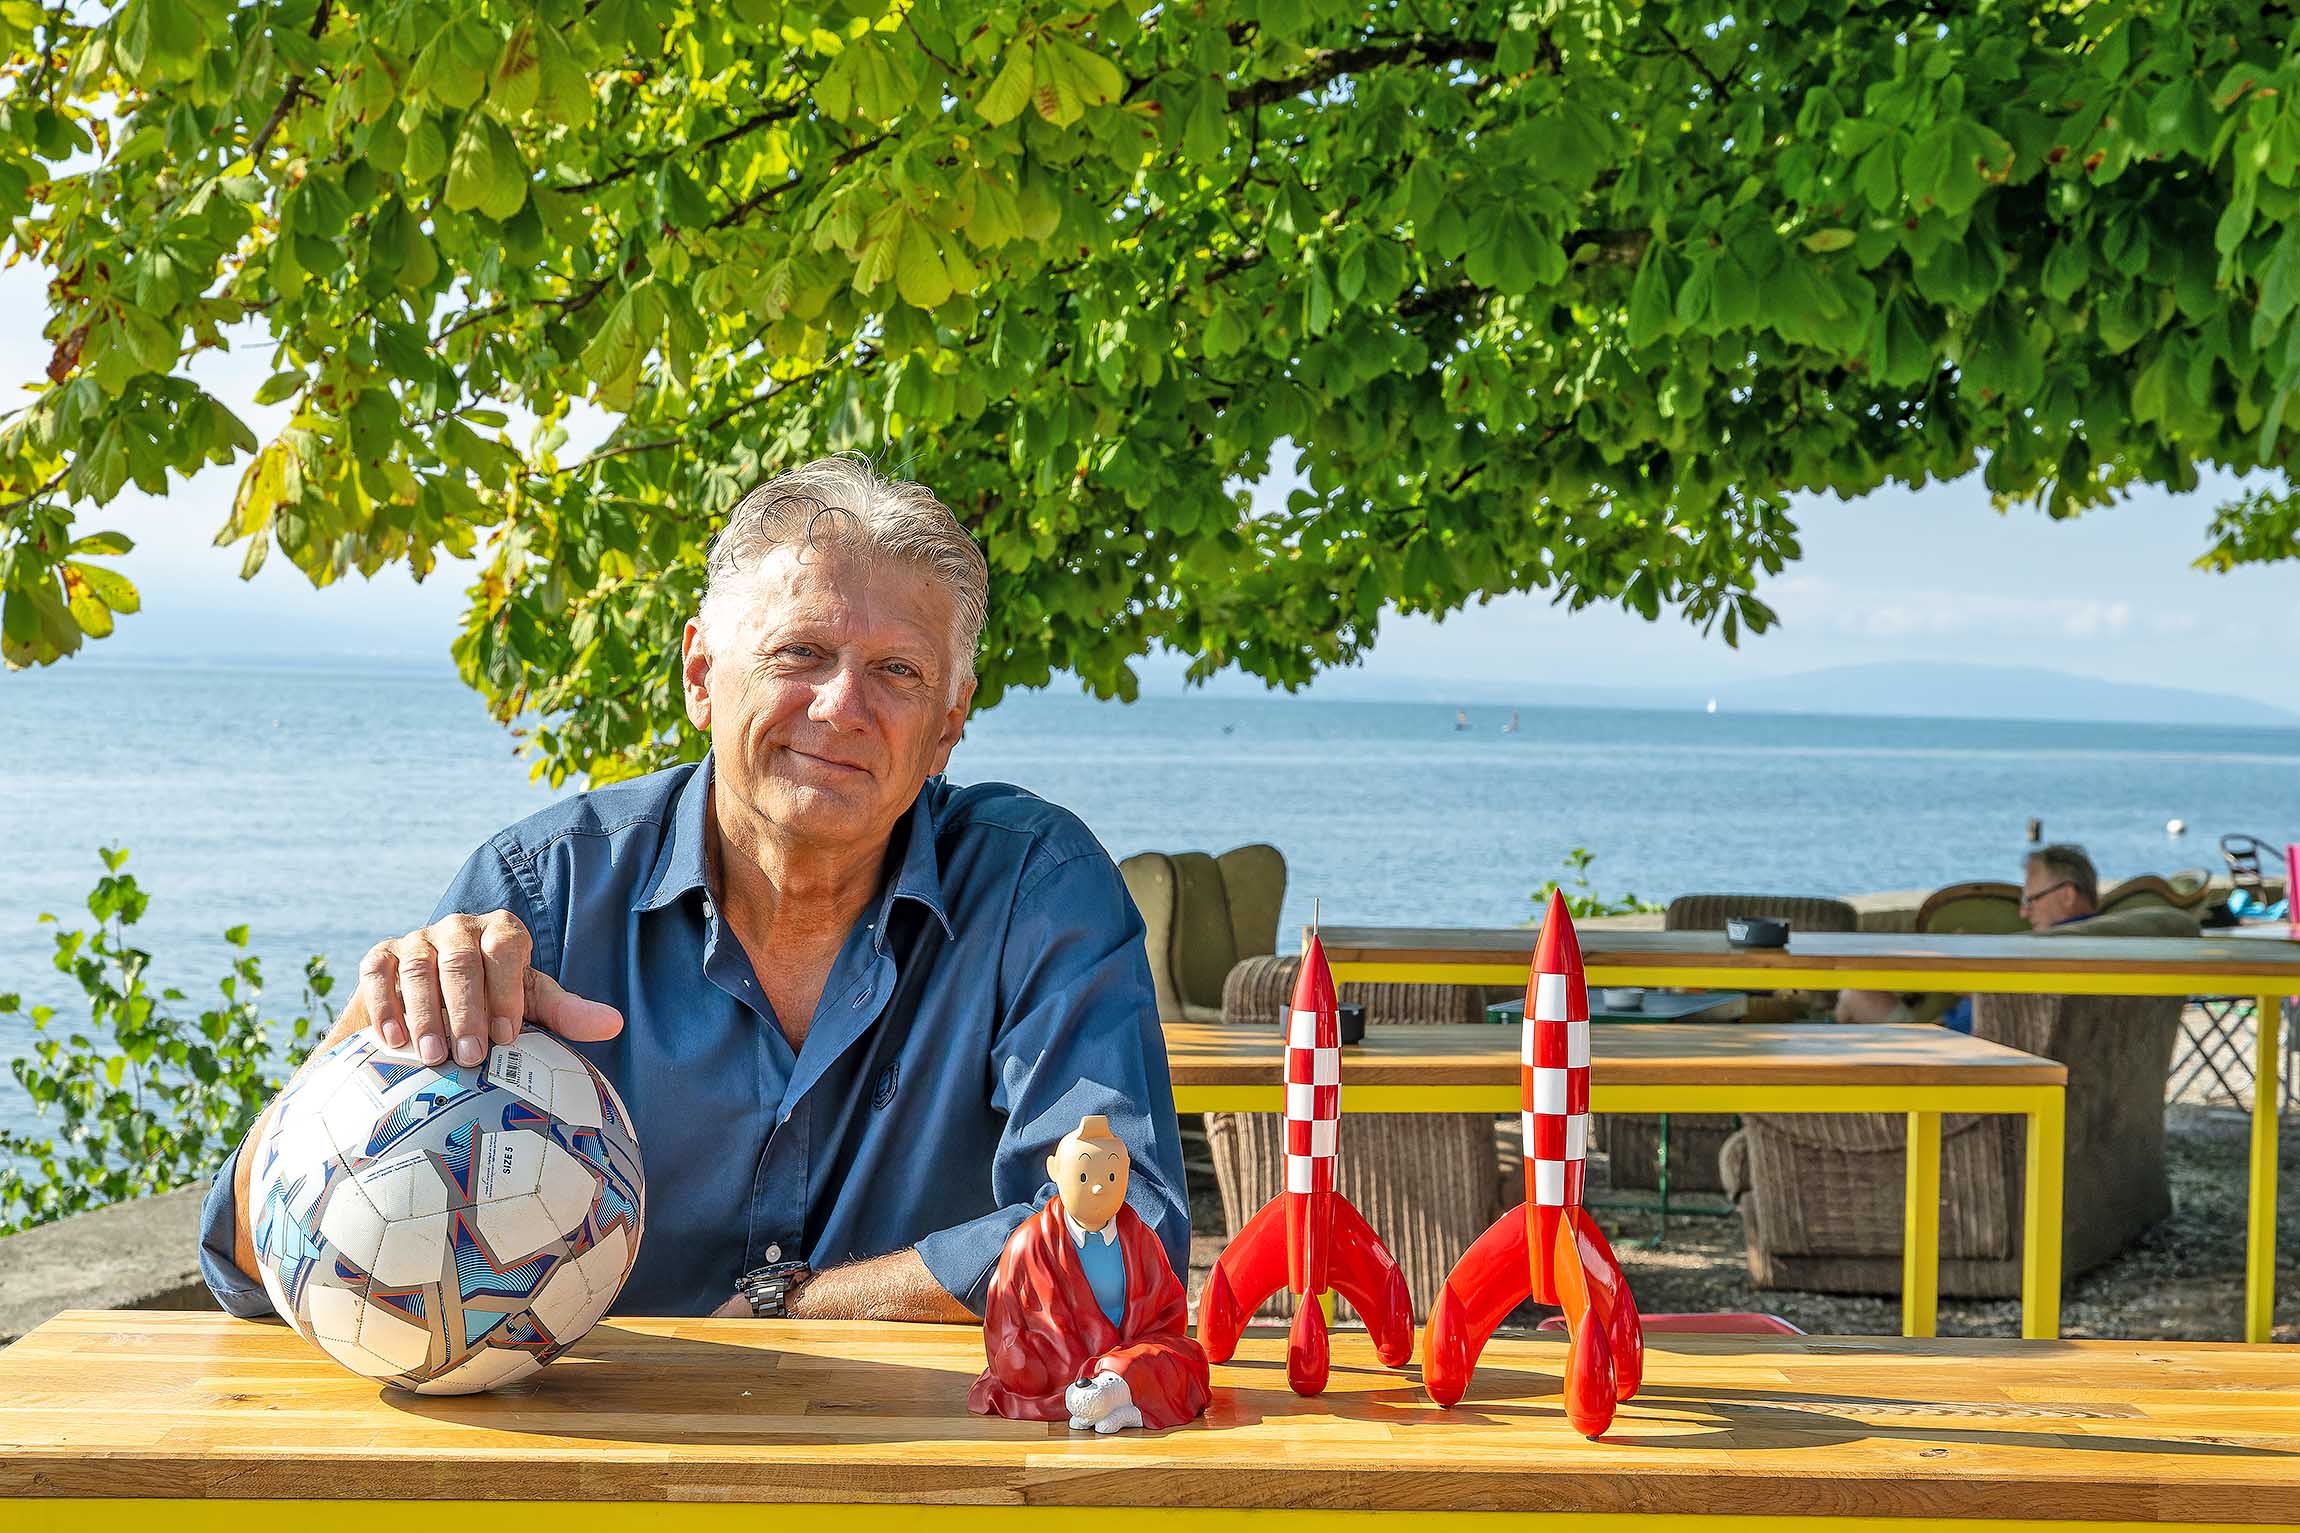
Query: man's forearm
[(896, 1286), (354, 1018)]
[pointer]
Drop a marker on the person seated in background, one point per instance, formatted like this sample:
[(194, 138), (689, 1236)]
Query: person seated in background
[(2058, 886)]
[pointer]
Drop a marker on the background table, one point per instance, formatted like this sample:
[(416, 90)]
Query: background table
[(2018, 965), (1658, 1006), (202, 1424), (1695, 1067)]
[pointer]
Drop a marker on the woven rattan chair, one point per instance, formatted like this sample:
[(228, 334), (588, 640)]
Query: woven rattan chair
[(1425, 1181), (1632, 1141), (2183, 891), (1821, 1194)]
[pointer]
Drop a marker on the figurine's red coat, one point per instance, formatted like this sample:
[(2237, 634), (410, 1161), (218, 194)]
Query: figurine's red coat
[(1044, 1332)]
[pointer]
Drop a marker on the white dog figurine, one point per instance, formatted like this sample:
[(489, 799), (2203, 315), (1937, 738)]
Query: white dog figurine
[(1103, 1403)]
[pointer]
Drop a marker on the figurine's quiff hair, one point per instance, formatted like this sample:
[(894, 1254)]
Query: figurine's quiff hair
[(843, 503), (2065, 860)]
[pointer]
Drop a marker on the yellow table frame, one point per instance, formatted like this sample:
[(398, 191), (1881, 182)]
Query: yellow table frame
[(2029, 979), (2042, 1106)]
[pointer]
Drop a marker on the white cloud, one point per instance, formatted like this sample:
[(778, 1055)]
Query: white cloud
[(1815, 604)]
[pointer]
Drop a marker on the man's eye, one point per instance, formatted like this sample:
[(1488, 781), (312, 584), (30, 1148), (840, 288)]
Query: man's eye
[(902, 668)]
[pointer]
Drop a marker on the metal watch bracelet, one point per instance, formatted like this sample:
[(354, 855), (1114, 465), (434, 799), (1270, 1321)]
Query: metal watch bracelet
[(771, 1288)]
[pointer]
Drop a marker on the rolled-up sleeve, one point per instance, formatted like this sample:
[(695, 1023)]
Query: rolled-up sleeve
[(1077, 1034), (236, 1292), (484, 883)]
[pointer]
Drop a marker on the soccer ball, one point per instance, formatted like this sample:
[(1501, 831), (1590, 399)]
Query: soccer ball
[(441, 1227)]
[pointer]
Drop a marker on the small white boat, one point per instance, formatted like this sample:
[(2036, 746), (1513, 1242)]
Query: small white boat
[(1510, 728), (1712, 705)]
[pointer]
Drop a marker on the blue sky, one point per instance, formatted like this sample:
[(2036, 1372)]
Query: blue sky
[(1900, 575)]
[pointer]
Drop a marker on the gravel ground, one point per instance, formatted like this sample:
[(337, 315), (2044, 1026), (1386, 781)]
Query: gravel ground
[(2183, 1280)]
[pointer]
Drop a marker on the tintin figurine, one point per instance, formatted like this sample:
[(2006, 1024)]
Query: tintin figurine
[(1549, 1250), (1309, 1237), (1086, 1322)]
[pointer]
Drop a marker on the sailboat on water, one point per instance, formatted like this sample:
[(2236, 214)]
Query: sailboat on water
[(1510, 728), (1460, 720)]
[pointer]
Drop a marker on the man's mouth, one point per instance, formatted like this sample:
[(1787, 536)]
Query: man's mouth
[(828, 763)]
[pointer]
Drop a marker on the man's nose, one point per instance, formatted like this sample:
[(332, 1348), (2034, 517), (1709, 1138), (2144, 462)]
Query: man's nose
[(838, 698)]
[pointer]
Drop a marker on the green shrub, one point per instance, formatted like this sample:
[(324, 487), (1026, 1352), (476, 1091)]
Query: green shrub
[(1581, 899), (147, 1097)]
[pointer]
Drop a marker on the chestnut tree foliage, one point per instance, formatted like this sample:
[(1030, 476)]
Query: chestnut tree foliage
[(1566, 295)]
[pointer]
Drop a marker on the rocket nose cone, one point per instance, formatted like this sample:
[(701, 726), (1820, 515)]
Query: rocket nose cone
[(1314, 985), (1559, 951)]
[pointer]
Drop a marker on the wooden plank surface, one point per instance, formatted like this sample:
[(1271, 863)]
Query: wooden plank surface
[(203, 1406), (1656, 1054), (1943, 953)]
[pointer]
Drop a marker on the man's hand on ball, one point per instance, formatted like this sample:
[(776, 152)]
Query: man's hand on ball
[(464, 983)]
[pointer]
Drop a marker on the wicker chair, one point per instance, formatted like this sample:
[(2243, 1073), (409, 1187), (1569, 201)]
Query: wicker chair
[(1632, 1141), (1821, 1195), (2185, 890), (1426, 1182)]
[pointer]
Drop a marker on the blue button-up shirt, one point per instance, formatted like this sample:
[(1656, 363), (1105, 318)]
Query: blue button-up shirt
[(995, 993)]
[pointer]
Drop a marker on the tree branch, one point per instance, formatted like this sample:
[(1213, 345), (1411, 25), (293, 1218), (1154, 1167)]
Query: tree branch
[(777, 113), (1717, 88), (294, 90), (724, 417), (948, 67), (1329, 64)]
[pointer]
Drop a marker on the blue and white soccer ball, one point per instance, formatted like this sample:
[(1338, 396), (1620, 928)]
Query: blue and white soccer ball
[(443, 1228)]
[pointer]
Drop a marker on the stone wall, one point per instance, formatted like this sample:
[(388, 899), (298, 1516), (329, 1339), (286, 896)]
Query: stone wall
[(139, 1255)]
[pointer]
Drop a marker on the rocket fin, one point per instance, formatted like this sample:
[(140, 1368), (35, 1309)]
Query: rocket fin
[(1307, 1353), (1250, 1269), (1362, 1271), (1616, 1307), (1493, 1277), (1589, 1375)]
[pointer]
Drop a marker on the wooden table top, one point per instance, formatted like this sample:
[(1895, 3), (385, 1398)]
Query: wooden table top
[(150, 1404), (1947, 954), (1655, 1054)]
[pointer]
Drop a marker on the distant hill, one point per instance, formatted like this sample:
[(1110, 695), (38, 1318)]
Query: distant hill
[(1918, 688), (1932, 689)]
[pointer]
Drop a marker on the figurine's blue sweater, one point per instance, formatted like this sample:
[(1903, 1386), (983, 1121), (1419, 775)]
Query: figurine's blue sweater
[(1105, 1264), (995, 993)]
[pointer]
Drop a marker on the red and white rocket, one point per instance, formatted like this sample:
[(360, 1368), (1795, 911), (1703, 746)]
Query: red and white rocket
[(1549, 1250), (1308, 1238)]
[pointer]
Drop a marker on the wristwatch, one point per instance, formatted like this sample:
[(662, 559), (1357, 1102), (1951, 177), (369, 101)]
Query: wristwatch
[(772, 1287)]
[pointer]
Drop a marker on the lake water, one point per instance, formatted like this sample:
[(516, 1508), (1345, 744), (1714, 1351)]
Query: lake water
[(328, 808)]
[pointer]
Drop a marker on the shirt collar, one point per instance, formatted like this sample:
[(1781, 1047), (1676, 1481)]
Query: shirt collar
[(680, 862), (919, 875), (681, 866), (1079, 1232)]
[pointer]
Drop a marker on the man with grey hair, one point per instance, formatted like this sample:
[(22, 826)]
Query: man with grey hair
[(2058, 887), (850, 1006)]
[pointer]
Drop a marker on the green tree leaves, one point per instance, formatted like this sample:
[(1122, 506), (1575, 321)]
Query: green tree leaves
[(486, 171), (1545, 298)]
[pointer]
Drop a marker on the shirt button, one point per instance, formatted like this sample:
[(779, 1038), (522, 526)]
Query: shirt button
[(774, 1253)]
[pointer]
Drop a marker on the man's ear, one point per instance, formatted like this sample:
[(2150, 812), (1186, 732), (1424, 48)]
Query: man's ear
[(953, 725), (695, 673)]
